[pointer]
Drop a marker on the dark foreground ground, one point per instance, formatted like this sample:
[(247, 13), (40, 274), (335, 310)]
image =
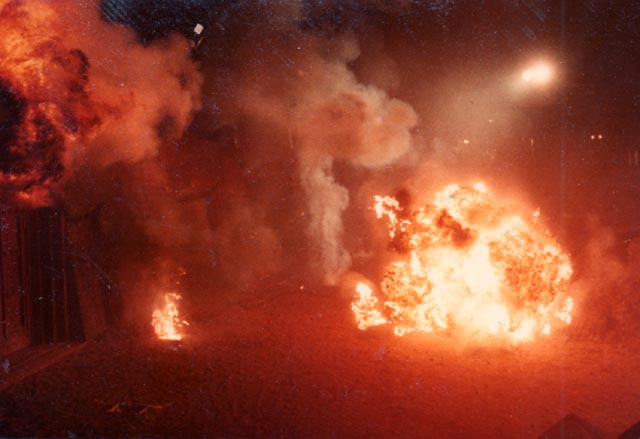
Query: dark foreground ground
[(295, 366)]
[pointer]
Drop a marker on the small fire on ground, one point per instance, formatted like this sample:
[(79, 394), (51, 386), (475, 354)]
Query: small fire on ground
[(166, 320), (466, 262)]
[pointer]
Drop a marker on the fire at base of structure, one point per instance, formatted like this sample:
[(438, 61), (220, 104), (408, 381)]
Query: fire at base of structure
[(166, 320), (467, 262)]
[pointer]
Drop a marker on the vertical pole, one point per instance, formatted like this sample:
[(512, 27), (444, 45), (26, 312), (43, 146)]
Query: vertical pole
[(25, 273), (65, 292), (20, 252), (51, 272), (2, 287), (39, 250), (35, 267)]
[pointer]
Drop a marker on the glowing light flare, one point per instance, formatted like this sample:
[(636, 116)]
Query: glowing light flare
[(166, 320), (538, 74), (468, 262)]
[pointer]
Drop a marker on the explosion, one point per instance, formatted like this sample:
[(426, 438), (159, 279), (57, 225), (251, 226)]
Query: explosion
[(467, 262), (43, 102), (78, 93), (166, 320)]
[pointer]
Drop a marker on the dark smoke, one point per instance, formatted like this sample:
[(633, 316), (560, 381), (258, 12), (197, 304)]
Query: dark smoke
[(12, 108)]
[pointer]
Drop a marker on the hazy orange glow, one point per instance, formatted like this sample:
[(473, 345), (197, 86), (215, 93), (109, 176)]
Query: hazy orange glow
[(468, 262), (166, 320)]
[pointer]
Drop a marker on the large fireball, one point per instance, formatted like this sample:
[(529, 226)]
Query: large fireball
[(467, 262)]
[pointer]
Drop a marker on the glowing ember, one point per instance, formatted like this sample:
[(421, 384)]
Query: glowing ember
[(166, 320), (466, 262)]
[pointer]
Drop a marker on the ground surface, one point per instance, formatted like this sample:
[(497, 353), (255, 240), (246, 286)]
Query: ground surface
[(295, 366)]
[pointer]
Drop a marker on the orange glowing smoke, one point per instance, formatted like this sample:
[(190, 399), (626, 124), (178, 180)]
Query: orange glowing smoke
[(76, 92), (466, 262), (166, 320)]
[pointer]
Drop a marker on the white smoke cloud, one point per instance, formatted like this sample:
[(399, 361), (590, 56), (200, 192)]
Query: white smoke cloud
[(308, 90), (326, 201)]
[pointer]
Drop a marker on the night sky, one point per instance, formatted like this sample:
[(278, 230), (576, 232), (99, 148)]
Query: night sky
[(597, 42)]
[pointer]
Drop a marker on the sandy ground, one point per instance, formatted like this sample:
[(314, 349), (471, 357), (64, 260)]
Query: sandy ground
[(295, 366)]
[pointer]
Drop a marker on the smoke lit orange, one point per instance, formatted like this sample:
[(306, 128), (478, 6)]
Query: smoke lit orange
[(43, 85), (467, 262)]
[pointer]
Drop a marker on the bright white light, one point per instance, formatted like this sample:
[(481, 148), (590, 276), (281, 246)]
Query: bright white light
[(465, 141), (538, 74)]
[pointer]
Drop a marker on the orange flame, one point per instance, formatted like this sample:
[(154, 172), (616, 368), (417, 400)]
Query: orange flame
[(166, 320), (466, 262)]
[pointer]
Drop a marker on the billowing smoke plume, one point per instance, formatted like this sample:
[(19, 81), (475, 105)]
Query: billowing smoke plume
[(306, 90), (85, 110), (249, 191), (607, 282), (84, 93)]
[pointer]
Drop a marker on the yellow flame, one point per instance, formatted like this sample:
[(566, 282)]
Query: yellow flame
[(364, 307), (468, 262), (166, 320)]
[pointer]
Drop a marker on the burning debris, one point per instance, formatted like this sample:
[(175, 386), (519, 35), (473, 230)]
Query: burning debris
[(467, 262), (166, 321)]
